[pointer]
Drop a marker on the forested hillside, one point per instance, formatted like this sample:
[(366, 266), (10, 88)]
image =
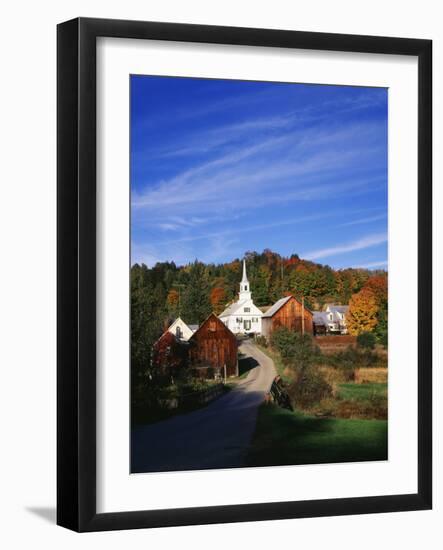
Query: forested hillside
[(159, 294)]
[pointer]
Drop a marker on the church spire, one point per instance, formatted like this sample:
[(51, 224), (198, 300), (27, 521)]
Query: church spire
[(245, 292), (245, 278)]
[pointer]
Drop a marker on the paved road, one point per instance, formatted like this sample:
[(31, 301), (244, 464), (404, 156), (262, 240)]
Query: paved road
[(216, 436)]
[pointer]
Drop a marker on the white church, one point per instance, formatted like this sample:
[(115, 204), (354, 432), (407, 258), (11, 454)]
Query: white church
[(243, 316)]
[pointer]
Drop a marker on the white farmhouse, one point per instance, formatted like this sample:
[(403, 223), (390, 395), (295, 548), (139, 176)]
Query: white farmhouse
[(336, 318), (181, 330), (243, 316)]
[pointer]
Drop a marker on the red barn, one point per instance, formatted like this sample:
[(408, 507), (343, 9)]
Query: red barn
[(212, 346), (169, 354), (287, 312)]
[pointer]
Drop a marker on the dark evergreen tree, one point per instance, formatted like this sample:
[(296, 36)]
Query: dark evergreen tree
[(196, 305)]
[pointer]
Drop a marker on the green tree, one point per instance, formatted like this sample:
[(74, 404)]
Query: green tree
[(366, 340), (146, 327), (381, 329), (260, 286), (196, 305)]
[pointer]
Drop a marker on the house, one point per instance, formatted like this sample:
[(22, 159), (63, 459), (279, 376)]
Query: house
[(243, 316), (213, 347), (320, 322), (169, 353), (181, 330), (336, 318), (287, 312)]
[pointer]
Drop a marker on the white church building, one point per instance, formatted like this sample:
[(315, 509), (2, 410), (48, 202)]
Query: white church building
[(243, 316)]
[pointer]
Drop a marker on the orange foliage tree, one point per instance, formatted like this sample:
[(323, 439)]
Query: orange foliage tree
[(218, 299), (173, 297), (362, 314), (172, 301), (378, 285)]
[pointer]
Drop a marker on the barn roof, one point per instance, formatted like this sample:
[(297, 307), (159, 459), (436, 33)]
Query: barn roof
[(273, 309), (213, 315), (319, 317), (340, 309), (279, 304)]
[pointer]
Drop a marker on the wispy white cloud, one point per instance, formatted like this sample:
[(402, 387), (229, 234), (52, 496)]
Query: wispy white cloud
[(359, 244), (269, 171), (364, 220), (249, 228), (211, 179)]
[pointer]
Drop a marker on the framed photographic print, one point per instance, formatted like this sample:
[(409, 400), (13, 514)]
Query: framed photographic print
[(244, 274)]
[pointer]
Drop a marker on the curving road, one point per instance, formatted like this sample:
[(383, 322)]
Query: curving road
[(216, 436)]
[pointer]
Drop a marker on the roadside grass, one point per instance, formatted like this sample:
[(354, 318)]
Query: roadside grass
[(361, 392), (280, 367), (285, 438), (361, 396)]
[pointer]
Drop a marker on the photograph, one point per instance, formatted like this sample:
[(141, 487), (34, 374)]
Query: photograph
[(258, 273)]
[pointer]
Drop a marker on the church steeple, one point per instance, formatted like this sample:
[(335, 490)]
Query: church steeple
[(245, 293), (244, 278)]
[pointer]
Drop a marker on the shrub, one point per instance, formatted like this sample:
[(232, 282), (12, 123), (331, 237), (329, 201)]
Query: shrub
[(296, 349), (366, 340), (309, 388), (261, 341)]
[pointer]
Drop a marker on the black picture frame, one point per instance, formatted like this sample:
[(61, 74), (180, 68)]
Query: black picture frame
[(76, 280)]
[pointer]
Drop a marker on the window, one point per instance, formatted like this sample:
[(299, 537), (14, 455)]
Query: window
[(178, 332), (212, 326), (239, 320), (247, 309)]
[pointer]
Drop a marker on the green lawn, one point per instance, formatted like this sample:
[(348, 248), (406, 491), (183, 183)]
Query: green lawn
[(361, 392), (283, 438)]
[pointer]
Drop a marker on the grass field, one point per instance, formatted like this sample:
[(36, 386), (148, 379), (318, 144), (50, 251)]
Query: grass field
[(361, 392), (283, 438)]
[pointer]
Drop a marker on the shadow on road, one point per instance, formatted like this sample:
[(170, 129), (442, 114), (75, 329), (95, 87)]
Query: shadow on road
[(216, 436), (245, 364)]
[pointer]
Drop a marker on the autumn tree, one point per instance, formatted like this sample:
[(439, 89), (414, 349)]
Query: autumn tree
[(218, 299), (173, 302), (378, 285), (362, 314)]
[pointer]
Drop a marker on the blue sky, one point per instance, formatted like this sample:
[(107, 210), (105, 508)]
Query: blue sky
[(220, 167)]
